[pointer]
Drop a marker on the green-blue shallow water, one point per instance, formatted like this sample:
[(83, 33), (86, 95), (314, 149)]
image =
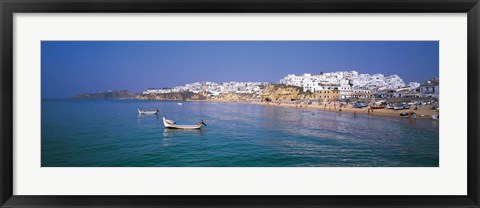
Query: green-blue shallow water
[(110, 133)]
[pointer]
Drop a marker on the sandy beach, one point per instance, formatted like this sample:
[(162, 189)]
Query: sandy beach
[(423, 113)]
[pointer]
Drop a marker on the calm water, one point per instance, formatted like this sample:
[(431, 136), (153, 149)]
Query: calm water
[(99, 133)]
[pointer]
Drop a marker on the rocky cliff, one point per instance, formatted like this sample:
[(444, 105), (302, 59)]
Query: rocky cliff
[(281, 92), (166, 96), (235, 97), (198, 96), (116, 94)]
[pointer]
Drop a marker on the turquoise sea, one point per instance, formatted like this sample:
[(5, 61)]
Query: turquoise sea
[(110, 133)]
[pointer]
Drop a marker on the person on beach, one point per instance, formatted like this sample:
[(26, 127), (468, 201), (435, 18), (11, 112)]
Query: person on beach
[(412, 115)]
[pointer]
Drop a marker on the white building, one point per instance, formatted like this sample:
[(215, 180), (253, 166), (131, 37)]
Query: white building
[(413, 85), (344, 81), (213, 88), (431, 88)]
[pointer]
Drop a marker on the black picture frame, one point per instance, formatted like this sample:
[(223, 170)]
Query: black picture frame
[(9, 7)]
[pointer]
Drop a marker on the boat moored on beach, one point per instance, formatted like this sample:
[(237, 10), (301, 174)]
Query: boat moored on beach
[(357, 105), (147, 111), (173, 125), (377, 106), (398, 106)]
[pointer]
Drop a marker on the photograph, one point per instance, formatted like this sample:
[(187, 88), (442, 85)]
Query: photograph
[(229, 103)]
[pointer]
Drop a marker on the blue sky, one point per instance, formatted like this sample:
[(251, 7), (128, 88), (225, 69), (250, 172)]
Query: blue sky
[(73, 67)]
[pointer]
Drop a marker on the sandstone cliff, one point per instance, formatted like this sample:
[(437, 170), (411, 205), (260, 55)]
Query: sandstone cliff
[(198, 96), (280, 92), (235, 97)]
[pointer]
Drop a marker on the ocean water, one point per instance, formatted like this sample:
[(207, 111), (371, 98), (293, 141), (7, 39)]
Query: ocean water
[(110, 133)]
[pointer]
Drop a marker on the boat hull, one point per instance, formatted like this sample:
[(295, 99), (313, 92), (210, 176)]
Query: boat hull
[(377, 107), (183, 127), (170, 125), (147, 111)]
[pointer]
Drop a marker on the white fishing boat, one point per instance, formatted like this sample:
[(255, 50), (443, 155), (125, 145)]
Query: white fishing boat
[(147, 111), (179, 103), (173, 125)]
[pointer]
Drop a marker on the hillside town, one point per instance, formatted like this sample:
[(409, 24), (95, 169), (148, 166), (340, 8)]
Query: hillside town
[(213, 89), (328, 86)]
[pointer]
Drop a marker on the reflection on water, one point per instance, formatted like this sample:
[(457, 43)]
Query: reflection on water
[(140, 116), (112, 133), (170, 135), (184, 132)]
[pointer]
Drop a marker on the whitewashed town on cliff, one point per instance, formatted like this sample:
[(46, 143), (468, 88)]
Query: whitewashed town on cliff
[(347, 84)]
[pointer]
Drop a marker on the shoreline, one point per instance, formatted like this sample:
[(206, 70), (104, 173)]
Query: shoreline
[(423, 113)]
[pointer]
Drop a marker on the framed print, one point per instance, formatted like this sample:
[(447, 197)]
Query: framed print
[(246, 104)]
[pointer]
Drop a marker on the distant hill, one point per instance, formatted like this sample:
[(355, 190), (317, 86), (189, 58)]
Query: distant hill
[(115, 94), (126, 95), (171, 96)]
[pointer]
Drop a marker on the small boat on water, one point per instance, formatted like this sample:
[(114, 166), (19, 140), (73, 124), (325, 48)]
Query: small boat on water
[(179, 103), (173, 125), (147, 111)]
